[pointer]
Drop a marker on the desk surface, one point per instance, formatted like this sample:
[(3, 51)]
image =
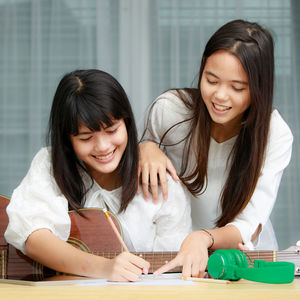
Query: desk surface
[(242, 289)]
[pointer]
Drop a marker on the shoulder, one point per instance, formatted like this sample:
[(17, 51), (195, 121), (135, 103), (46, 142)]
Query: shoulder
[(40, 168), (42, 159), (279, 129), (171, 100), (167, 111), (43, 155)]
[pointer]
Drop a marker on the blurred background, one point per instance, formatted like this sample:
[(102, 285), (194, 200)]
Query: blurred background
[(149, 46)]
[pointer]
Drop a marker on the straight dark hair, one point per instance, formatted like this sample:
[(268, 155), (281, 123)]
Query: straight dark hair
[(92, 98), (254, 47)]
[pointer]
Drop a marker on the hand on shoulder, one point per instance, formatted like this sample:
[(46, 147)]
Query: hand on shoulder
[(153, 167)]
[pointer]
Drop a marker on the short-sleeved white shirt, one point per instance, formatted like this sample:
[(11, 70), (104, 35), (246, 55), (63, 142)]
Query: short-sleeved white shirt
[(168, 110), (38, 203)]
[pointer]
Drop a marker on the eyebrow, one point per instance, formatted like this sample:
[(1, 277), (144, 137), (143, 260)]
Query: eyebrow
[(84, 133), (236, 81)]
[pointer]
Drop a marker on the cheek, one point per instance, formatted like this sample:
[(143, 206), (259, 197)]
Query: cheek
[(206, 90), (246, 103), (120, 140), (202, 88), (81, 150)]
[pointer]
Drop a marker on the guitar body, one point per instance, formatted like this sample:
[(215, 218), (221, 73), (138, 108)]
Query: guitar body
[(91, 232)]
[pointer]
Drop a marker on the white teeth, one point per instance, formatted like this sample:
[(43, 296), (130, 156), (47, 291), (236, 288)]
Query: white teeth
[(222, 108), (105, 156)]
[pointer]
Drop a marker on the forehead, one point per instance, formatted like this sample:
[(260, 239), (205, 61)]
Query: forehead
[(85, 128), (225, 66)]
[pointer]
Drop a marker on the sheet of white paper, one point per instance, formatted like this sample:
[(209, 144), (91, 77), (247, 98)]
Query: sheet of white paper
[(163, 279), (56, 282)]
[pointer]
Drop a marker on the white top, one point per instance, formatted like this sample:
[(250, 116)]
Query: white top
[(38, 203), (169, 110)]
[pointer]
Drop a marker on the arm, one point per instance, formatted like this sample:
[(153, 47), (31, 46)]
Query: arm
[(165, 112), (44, 247), (39, 226), (252, 220)]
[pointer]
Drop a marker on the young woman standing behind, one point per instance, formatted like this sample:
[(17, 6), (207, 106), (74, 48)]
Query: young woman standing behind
[(225, 141)]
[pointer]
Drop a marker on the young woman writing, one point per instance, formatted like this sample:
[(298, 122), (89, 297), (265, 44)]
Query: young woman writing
[(226, 142), (92, 162)]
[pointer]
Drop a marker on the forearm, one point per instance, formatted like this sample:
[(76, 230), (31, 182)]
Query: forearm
[(225, 237), (44, 247)]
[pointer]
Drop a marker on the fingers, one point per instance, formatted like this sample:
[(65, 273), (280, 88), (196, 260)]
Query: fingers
[(167, 267), (195, 269), (190, 268), (153, 165), (150, 174), (154, 184), (140, 263), (187, 267), (130, 273), (172, 170), (128, 267), (163, 183), (145, 183), (139, 178)]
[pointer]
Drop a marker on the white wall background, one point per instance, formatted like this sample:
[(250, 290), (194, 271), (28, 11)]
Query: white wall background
[(149, 46)]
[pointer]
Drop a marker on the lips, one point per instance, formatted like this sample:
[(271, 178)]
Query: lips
[(221, 108), (105, 157)]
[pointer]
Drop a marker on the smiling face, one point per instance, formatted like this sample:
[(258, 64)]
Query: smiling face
[(101, 151), (225, 90)]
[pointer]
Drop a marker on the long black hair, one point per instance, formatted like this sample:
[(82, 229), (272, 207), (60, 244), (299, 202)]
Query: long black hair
[(93, 98)]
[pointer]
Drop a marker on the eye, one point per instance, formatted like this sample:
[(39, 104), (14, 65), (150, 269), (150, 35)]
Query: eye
[(111, 131), (86, 139), (211, 81), (238, 89)]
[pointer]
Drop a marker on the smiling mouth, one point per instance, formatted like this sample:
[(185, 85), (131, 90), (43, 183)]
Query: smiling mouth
[(221, 107), (103, 157)]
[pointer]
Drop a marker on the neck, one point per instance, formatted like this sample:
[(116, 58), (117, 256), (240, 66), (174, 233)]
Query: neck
[(221, 133), (109, 181)]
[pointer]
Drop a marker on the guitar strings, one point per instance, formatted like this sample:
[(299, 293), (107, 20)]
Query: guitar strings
[(165, 256)]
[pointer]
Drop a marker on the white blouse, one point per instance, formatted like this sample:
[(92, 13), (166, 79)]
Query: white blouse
[(169, 110), (38, 203)]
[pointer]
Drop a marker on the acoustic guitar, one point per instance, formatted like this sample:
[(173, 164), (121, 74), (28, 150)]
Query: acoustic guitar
[(91, 232)]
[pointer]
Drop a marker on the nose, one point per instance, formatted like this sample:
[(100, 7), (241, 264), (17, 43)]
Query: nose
[(102, 143), (221, 93)]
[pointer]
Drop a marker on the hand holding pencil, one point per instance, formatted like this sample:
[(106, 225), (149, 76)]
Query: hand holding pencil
[(125, 266)]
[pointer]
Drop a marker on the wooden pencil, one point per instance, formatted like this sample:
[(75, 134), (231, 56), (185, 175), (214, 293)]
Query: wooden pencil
[(210, 280)]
